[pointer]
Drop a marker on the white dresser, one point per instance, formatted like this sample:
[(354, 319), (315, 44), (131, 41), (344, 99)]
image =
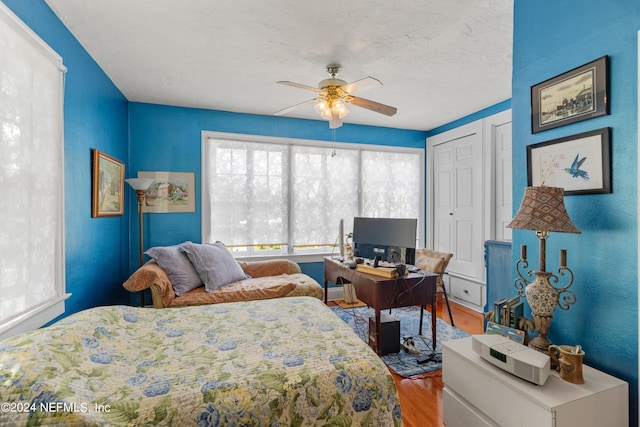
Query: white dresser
[(476, 393)]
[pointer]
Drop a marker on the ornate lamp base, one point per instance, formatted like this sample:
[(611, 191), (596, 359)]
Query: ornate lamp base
[(542, 296), (543, 299), (541, 342)]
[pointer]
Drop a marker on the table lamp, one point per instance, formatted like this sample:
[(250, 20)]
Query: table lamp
[(140, 185), (543, 211)]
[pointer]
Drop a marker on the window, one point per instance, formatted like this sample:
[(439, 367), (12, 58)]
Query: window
[(275, 196), (248, 188), (31, 179)]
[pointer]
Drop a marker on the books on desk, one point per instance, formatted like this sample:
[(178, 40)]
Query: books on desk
[(387, 272)]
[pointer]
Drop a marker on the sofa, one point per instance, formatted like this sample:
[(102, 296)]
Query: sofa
[(195, 274)]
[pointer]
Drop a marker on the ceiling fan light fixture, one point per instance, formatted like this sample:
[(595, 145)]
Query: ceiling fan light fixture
[(335, 93), (322, 107), (338, 108), (335, 122), (329, 107)]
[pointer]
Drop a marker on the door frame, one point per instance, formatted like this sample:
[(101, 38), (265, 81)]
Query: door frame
[(490, 124), (486, 129), (473, 128)]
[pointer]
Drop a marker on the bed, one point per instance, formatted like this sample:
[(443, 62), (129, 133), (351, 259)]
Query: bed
[(280, 362)]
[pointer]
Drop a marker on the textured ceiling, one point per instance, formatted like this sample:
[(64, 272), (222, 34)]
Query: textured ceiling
[(438, 60)]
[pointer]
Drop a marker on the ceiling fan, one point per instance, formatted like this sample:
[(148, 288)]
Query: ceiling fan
[(333, 93)]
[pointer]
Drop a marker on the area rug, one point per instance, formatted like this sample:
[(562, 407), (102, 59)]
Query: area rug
[(404, 363)]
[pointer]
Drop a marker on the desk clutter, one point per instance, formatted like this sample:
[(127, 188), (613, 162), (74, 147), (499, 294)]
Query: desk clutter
[(378, 268), (388, 272)]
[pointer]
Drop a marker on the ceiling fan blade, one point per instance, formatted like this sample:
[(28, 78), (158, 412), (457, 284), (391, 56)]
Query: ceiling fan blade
[(362, 84), (373, 106), (301, 86), (293, 107)]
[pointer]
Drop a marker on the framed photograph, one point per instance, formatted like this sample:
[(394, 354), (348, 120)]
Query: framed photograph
[(107, 185), (170, 192), (581, 164), (576, 95)]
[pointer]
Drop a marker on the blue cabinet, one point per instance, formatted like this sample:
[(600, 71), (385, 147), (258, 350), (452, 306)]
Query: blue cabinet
[(497, 257)]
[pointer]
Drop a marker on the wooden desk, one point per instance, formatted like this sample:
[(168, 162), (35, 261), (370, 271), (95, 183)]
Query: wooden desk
[(381, 293)]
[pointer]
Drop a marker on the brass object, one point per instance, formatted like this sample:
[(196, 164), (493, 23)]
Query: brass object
[(569, 362)]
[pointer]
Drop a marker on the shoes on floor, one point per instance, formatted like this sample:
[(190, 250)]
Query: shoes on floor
[(409, 346)]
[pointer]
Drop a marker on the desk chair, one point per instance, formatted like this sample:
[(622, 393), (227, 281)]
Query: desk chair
[(435, 262)]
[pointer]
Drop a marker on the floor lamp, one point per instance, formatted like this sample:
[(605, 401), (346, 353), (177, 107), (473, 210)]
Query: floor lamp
[(140, 185)]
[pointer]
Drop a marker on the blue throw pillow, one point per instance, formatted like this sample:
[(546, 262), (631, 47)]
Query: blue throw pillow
[(214, 263), (176, 264)]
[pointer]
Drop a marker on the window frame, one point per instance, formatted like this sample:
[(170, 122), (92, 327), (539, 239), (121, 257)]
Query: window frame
[(37, 315), (360, 147)]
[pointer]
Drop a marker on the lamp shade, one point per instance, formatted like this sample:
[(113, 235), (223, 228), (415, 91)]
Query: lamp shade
[(139, 183), (543, 209)]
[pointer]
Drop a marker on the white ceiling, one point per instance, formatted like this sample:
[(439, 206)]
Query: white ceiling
[(438, 60)]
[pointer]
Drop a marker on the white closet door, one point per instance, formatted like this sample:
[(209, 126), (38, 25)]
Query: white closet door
[(469, 199), (467, 214), (503, 180), (443, 198), (458, 202)]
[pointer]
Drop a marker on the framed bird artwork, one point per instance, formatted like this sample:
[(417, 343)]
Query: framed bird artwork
[(581, 164)]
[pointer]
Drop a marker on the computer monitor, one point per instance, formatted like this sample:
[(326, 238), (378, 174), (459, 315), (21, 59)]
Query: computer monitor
[(392, 239)]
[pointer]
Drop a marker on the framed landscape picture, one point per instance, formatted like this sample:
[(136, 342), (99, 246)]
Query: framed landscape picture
[(580, 164), (576, 95), (170, 192), (107, 185)]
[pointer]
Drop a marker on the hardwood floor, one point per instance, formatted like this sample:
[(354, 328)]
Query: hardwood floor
[(421, 396)]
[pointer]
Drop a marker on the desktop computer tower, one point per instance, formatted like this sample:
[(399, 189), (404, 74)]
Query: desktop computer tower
[(389, 334)]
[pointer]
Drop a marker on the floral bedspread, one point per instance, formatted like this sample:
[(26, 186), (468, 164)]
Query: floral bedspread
[(280, 362)]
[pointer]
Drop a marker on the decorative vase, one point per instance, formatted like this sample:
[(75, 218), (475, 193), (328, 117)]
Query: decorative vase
[(543, 299)]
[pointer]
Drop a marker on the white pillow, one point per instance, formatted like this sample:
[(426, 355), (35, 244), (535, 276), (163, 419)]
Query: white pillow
[(175, 263), (214, 263)]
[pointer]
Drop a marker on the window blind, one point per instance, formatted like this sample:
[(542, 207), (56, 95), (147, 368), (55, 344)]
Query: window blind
[(31, 178)]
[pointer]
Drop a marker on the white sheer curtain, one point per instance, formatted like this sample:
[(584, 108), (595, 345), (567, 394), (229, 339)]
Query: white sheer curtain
[(324, 191), (267, 195), (247, 189), (31, 177), (391, 184)]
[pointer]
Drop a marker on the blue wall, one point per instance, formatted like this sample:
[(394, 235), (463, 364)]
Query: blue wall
[(552, 37), (478, 115), (95, 116), (165, 138)]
